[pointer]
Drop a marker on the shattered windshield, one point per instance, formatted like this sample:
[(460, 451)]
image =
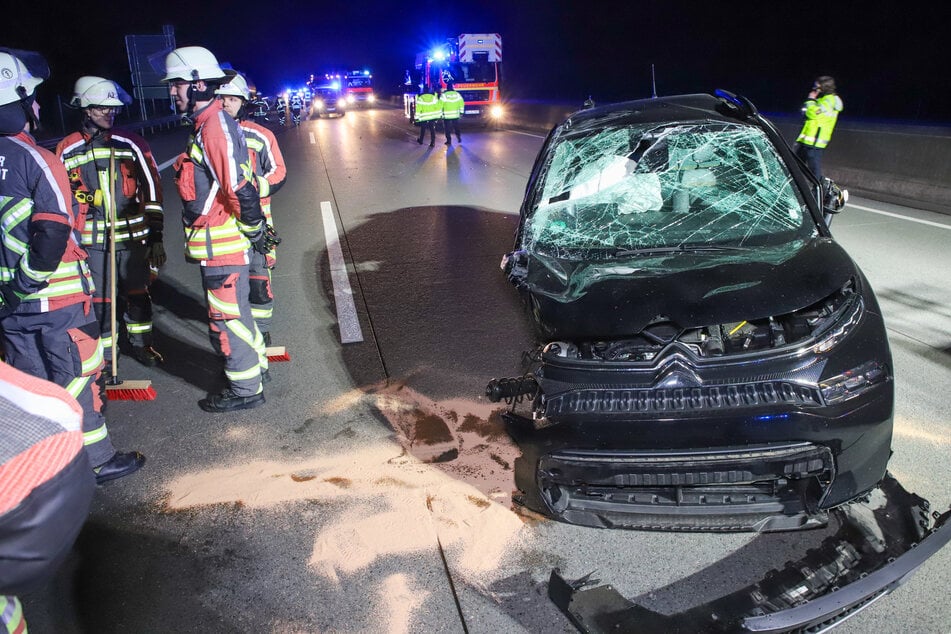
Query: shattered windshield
[(625, 189)]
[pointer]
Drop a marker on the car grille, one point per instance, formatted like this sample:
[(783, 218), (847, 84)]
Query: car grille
[(689, 399), (470, 96)]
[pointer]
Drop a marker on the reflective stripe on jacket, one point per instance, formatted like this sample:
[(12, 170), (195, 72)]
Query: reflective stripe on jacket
[(821, 116), (427, 107), (267, 162), (137, 187), (40, 256), (212, 176), (452, 104)]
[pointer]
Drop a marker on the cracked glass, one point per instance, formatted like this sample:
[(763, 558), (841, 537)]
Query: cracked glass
[(627, 189)]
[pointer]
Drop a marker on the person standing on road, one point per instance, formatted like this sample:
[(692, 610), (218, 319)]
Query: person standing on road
[(428, 112), (223, 222), (46, 320), (821, 110), (134, 194), (270, 172), (452, 106), (46, 486)]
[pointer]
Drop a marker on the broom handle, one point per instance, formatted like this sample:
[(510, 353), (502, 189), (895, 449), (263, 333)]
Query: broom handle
[(112, 265)]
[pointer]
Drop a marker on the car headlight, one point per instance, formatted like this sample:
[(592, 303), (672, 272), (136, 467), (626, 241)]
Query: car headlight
[(496, 112), (854, 382), (351, 98), (371, 98), (319, 104), (342, 103)]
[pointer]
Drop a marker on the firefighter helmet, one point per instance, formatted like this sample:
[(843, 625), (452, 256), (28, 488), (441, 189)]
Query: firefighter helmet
[(237, 87), (98, 91), (20, 73), (192, 63)]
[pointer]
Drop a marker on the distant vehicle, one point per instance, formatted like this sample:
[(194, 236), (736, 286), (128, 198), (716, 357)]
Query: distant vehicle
[(357, 88), (329, 100), (473, 63)]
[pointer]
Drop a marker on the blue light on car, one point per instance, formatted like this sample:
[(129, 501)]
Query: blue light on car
[(765, 418)]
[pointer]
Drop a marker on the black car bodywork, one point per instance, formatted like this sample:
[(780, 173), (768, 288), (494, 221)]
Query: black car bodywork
[(709, 358)]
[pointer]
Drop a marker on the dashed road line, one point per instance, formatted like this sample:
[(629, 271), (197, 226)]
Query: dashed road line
[(347, 318)]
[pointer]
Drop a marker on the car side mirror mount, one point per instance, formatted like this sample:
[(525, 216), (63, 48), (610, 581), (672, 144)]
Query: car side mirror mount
[(834, 197)]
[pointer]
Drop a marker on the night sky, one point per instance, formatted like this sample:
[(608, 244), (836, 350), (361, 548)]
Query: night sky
[(890, 62)]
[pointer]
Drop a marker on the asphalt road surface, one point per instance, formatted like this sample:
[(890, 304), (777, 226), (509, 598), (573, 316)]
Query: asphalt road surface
[(372, 492)]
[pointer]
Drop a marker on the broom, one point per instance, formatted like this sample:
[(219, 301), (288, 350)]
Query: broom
[(117, 389)]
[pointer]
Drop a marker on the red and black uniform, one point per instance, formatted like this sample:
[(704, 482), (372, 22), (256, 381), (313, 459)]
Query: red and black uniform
[(270, 172), (222, 213), (138, 205), (46, 485), (47, 324)]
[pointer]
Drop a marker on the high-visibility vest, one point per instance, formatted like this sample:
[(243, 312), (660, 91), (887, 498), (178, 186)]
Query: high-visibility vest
[(821, 115), (452, 104), (427, 107)]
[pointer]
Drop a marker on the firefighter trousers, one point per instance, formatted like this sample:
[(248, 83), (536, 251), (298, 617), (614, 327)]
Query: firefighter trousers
[(132, 294), (261, 295), (63, 346), (231, 327)]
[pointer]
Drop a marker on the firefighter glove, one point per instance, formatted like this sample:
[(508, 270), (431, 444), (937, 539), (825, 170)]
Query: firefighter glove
[(155, 254)]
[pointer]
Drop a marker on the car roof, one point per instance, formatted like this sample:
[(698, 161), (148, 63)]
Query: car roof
[(696, 107)]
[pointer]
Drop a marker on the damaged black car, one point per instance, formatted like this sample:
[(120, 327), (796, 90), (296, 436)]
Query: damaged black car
[(709, 358)]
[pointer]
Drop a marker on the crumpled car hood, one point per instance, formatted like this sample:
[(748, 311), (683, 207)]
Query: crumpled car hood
[(619, 297)]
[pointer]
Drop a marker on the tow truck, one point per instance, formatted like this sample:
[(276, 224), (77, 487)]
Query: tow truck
[(472, 62), (358, 88)]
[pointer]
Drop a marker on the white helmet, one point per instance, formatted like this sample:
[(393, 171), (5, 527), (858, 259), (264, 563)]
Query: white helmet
[(237, 87), (98, 91), (20, 73), (191, 63)]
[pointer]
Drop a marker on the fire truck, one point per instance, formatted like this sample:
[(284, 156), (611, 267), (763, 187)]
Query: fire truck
[(472, 62), (357, 88)]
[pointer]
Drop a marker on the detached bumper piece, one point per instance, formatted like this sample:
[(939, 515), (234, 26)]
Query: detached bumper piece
[(766, 488), (874, 551)]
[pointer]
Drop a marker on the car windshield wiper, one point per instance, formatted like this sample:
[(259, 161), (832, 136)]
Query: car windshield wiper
[(682, 248)]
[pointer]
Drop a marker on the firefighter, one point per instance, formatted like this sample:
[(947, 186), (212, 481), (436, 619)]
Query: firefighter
[(270, 172), (134, 194), (428, 111), (452, 106), (46, 485), (223, 222), (821, 110), (48, 327)]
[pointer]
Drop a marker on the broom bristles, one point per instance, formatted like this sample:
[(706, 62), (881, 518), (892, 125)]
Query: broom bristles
[(278, 353), (131, 391)]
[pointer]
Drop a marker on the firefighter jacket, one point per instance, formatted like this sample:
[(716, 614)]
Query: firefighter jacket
[(46, 481), (452, 104), (136, 186), (427, 108), (222, 208), (40, 256), (821, 115), (266, 161)]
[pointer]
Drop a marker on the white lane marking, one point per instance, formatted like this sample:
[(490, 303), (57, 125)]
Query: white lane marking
[(313, 139), (343, 295), (162, 167), (899, 216), (537, 136)]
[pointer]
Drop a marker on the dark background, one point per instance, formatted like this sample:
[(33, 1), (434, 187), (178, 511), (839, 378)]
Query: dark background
[(890, 61)]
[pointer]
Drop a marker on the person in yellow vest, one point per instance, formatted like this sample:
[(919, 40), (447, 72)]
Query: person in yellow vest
[(821, 111), (428, 111), (452, 107)]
